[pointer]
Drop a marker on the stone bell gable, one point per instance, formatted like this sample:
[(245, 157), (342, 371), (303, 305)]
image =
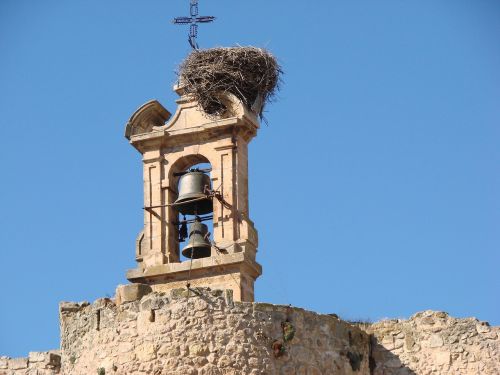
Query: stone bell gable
[(171, 144)]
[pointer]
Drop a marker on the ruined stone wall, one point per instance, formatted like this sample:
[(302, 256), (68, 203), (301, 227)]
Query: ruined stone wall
[(38, 363), (206, 334), (434, 343)]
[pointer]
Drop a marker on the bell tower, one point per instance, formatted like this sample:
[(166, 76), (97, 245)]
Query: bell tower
[(181, 199)]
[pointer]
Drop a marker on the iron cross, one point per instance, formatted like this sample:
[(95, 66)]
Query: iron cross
[(193, 21)]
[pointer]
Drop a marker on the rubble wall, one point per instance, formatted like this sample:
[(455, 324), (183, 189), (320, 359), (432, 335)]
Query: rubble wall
[(432, 342), (38, 363), (206, 334)]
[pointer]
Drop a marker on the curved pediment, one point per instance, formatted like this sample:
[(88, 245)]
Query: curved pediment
[(152, 121), (188, 114), (149, 115)]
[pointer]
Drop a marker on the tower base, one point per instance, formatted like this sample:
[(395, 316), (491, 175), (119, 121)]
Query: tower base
[(227, 271)]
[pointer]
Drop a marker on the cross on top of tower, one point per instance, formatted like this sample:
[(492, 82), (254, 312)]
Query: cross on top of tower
[(193, 21)]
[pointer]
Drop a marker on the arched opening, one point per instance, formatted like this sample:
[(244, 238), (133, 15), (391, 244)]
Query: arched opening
[(192, 210)]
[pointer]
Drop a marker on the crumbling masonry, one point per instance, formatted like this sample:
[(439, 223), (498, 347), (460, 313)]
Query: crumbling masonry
[(158, 326)]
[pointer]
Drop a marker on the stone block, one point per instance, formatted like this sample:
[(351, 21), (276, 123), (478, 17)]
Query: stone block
[(37, 357), (442, 358), (131, 292), (18, 363), (145, 352), (47, 359), (483, 327), (179, 293), (436, 341), (198, 349), (154, 302), (69, 307)]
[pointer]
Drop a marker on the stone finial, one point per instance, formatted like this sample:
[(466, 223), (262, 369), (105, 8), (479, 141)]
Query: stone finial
[(148, 116)]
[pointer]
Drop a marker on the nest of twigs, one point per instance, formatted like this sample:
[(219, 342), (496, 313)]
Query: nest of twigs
[(251, 74)]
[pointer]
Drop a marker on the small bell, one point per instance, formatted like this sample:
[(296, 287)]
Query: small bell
[(198, 245), (192, 199)]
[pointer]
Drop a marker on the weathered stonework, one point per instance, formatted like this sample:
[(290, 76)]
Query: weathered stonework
[(37, 363), (432, 342), (171, 144), (206, 333), (154, 328)]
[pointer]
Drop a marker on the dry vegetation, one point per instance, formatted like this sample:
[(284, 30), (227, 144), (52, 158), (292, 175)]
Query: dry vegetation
[(251, 74)]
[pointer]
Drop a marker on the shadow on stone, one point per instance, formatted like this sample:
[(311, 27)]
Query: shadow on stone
[(384, 362)]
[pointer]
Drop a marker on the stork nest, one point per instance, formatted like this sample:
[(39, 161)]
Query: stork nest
[(251, 74)]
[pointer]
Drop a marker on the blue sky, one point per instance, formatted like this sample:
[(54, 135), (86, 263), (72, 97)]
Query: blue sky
[(374, 188)]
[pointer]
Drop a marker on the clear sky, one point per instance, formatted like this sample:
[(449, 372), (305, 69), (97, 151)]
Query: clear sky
[(375, 187)]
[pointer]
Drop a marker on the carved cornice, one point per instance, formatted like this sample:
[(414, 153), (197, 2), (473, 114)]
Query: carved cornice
[(148, 127), (213, 266)]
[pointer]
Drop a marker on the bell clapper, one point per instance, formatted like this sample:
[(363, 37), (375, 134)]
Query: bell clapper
[(183, 233)]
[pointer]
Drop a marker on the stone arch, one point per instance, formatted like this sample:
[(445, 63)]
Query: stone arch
[(182, 164)]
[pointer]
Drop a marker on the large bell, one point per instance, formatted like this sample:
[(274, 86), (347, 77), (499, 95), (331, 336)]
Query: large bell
[(198, 245), (192, 199)]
